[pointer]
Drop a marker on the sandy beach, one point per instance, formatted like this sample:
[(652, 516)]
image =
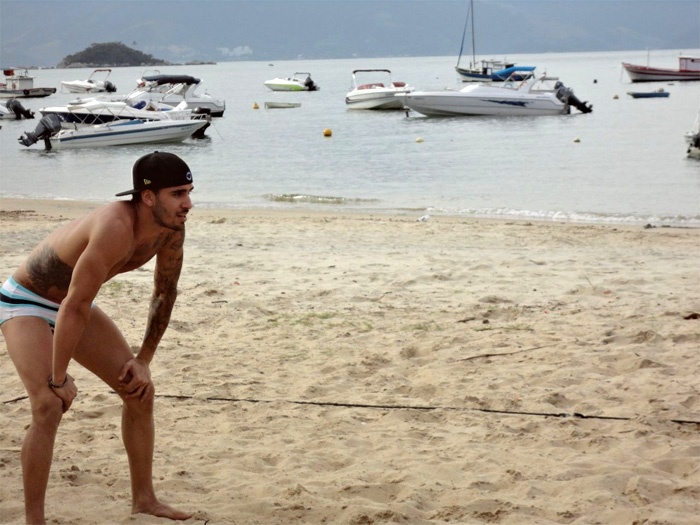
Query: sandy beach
[(371, 369)]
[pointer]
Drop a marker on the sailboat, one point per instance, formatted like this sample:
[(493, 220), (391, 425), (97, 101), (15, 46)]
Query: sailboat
[(485, 70)]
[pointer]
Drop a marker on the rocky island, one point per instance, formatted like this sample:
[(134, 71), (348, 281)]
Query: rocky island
[(110, 54)]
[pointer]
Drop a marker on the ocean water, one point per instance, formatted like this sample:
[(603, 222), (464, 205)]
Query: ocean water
[(627, 166)]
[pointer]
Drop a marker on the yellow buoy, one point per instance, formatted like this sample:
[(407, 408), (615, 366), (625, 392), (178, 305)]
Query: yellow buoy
[(419, 139), (577, 139), (255, 105), (327, 132)]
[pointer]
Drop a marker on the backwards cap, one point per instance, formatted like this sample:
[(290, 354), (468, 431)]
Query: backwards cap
[(158, 170)]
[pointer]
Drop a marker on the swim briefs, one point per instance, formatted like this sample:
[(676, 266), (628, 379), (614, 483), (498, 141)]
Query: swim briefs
[(17, 301)]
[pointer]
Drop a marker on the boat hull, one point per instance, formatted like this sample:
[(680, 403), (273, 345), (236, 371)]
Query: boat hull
[(665, 94), (27, 93), (655, 74), (126, 133), (83, 87), (376, 99), (284, 85), (451, 103)]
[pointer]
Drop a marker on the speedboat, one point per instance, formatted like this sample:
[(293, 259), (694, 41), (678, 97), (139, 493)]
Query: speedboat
[(119, 133), (688, 69), (21, 85), (13, 109), (91, 85), (173, 90), (376, 95), (533, 96), (91, 111), (297, 82)]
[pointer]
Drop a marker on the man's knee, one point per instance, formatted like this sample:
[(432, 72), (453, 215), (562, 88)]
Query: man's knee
[(141, 404), (47, 409)]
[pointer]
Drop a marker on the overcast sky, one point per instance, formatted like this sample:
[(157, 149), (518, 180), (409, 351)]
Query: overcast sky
[(42, 33)]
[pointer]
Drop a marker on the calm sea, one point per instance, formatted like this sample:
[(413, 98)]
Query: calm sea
[(623, 163)]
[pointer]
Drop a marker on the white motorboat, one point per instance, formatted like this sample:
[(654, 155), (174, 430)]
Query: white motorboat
[(173, 90), (376, 95), (118, 133), (21, 85), (541, 95), (297, 82), (91, 85), (91, 111)]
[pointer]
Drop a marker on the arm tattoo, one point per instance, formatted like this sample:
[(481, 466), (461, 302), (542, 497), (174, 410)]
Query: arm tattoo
[(46, 270)]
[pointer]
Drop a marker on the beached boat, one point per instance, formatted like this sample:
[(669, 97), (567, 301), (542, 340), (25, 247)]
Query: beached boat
[(484, 70), (118, 133), (689, 69), (535, 96), (91, 85), (21, 85), (376, 95), (659, 93), (297, 82)]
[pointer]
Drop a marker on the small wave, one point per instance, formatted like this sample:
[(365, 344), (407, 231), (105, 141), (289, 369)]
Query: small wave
[(591, 217), (313, 199)]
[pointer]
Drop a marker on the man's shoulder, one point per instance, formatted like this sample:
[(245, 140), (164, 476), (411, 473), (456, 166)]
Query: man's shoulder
[(116, 219)]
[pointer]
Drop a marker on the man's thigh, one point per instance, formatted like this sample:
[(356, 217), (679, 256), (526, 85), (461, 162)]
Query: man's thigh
[(102, 348), (29, 342)]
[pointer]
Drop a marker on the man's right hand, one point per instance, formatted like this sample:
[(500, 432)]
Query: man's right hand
[(67, 392)]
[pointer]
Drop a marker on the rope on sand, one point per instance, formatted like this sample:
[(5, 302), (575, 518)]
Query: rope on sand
[(573, 415)]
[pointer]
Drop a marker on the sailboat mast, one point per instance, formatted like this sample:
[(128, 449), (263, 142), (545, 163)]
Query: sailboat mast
[(471, 8)]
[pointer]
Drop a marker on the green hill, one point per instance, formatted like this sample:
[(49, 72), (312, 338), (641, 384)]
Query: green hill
[(110, 54)]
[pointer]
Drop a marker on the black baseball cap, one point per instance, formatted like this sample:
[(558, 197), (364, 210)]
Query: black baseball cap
[(158, 170)]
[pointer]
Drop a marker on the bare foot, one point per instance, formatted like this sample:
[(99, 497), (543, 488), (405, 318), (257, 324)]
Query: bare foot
[(161, 510)]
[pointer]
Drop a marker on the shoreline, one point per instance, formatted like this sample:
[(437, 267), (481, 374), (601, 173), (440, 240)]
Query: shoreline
[(299, 340), (75, 208)]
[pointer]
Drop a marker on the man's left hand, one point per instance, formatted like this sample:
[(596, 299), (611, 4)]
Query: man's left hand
[(135, 380)]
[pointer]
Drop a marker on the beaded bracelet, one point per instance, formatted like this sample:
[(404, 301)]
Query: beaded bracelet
[(53, 385)]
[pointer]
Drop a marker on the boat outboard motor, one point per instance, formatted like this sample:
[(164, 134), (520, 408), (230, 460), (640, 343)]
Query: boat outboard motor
[(311, 84), (110, 87), (18, 109), (199, 113), (566, 95), (47, 126)]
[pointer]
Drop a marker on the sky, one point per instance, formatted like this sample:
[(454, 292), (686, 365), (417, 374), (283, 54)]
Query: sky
[(41, 33)]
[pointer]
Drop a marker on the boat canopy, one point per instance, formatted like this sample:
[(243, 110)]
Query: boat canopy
[(172, 79), (510, 70)]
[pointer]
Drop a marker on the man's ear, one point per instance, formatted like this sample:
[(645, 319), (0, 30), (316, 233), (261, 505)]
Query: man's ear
[(148, 197)]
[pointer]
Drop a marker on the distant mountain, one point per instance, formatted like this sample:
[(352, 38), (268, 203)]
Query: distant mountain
[(42, 32), (110, 54)]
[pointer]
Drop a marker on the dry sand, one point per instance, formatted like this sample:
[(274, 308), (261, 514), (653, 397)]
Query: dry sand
[(357, 369)]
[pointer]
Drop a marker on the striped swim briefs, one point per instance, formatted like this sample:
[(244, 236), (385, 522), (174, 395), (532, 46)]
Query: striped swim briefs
[(17, 301)]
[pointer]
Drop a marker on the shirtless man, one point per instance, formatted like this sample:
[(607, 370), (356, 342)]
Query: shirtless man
[(47, 317)]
